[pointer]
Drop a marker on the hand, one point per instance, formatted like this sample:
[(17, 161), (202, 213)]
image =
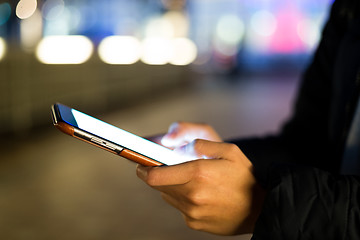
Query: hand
[(182, 133), (218, 195), (155, 138)]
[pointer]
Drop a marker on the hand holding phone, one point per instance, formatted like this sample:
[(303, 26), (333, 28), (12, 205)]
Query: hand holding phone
[(113, 139)]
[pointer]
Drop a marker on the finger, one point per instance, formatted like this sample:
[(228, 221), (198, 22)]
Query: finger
[(192, 215), (211, 150), (181, 133), (175, 136), (142, 172), (177, 202), (166, 175), (155, 138), (189, 150)]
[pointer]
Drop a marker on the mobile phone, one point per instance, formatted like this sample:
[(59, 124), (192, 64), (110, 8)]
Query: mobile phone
[(113, 139)]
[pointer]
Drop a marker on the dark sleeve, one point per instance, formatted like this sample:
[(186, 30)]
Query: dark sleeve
[(305, 137), (305, 198), (308, 203)]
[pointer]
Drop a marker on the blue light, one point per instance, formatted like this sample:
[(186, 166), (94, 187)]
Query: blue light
[(5, 12)]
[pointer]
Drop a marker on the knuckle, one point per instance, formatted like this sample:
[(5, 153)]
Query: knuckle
[(202, 176), (193, 224), (232, 148), (180, 124), (200, 172), (207, 127), (193, 214), (197, 199)]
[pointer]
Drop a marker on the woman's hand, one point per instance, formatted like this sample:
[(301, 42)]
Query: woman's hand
[(217, 195)]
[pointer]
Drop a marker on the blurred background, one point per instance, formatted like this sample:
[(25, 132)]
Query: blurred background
[(139, 65)]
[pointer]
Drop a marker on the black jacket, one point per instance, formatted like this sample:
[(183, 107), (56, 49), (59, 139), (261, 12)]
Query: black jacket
[(307, 197)]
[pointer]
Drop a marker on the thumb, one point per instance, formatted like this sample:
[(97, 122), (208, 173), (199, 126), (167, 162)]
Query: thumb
[(211, 150), (200, 148)]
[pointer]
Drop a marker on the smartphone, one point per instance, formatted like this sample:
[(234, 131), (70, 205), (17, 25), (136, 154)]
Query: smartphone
[(113, 139)]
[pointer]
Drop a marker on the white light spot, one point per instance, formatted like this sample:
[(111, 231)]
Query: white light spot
[(25, 8), (159, 27), (309, 33), (120, 50), (230, 30), (156, 51), (2, 48), (64, 50), (263, 23), (184, 51)]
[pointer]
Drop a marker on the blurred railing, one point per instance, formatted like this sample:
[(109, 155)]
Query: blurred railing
[(28, 87)]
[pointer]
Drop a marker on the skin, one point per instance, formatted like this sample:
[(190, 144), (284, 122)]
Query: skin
[(217, 193)]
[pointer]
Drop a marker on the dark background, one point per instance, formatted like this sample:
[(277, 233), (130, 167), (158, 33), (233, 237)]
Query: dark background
[(243, 82)]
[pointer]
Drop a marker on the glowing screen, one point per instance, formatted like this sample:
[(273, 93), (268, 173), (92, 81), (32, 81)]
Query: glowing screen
[(128, 140)]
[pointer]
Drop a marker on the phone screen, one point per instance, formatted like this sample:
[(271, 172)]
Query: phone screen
[(120, 137)]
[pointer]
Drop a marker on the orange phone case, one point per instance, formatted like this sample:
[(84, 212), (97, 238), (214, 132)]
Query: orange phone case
[(126, 153)]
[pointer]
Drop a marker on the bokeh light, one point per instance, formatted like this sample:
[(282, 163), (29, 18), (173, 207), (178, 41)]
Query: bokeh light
[(159, 27), (25, 8), (64, 50), (230, 29), (215, 31), (184, 51), (2, 48), (263, 23), (5, 12), (156, 51), (52, 9), (286, 39), (309, 32), (119, 50), (160, 51), (61, 25), (262, 27), (31, 31), (229, 33), (179, 23)]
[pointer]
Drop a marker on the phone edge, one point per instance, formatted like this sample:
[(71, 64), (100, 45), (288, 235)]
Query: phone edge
[(62, 126), (79, 134)]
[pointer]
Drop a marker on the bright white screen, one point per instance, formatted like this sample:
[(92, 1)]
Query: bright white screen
[(128, 140)]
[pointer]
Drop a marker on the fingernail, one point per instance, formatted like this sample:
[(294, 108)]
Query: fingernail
[(173, 127), (168, 141), (141, 171), (165, 140)]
